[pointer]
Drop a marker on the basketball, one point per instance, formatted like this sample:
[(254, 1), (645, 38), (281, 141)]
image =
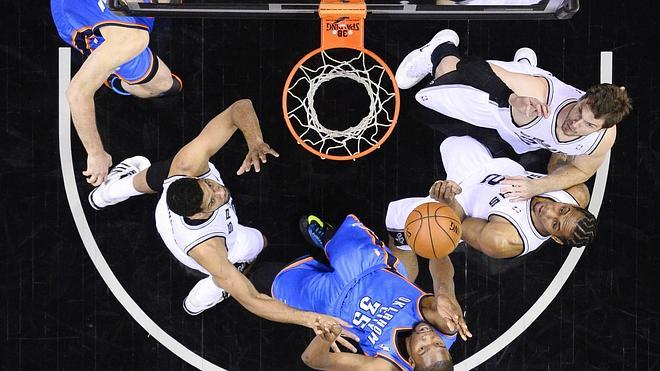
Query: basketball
[(433, 230)]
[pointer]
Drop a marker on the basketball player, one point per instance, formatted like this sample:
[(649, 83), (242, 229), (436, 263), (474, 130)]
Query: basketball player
[(400, 327), (494, 224), (530, 108), (195, 215), (117, 54)]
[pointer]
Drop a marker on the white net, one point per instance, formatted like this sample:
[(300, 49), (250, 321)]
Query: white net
[(361, 134)]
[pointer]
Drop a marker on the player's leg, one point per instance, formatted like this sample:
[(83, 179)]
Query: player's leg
[(463, 157), (145, 76), (423, 61), (395, 222), (354, 249), (164, 83), (306, 284), (248, 245), (131, 177), (406, 256), (124, 180)]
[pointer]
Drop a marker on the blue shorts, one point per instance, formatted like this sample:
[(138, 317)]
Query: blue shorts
[(354, 249), (79, 22)]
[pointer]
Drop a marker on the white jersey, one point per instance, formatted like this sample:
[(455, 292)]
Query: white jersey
[(474, 106), (541, 133), (181, 234), (481, 198)]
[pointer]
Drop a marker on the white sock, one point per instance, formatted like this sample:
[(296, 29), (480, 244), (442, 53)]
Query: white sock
[(121, 190)]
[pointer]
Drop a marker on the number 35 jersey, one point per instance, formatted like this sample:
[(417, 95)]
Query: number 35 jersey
[(390, 308)]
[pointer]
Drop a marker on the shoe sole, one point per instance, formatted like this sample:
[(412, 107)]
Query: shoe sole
[(528, 54), (185, 309), (442, 36), (91, 201)]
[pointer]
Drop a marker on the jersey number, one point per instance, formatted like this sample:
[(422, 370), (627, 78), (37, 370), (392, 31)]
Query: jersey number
[(361, 319)]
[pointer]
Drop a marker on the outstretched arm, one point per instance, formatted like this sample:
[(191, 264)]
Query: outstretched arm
[(563, 172), (121, 45), (193, 158), (451, 314), (212, 255)]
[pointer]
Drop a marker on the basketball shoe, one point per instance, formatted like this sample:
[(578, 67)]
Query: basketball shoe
[(417, 64), (526, 55), (108, 193), (203, 296), (315, 231)]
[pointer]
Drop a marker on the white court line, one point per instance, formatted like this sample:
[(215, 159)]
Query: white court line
[(195, 360), (88, 239), (566, 269)]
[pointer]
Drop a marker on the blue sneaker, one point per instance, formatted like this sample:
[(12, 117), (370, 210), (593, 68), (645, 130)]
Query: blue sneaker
[(314, 230)]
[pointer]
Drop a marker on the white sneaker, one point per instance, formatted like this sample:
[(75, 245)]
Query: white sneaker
[(526, 55), (98, 197), (417, 64), (203, 296)]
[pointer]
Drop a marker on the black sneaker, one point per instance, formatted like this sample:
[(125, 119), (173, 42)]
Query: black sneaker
[(315, 231)]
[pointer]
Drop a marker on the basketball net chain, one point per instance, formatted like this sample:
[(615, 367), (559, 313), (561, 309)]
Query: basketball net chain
[(355, 69)]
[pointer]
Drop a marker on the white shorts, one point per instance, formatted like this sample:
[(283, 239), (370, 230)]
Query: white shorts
[(474, 106), (248, 245)]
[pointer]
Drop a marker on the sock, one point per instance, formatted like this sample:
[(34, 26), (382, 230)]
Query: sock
[(441, 51), (121, 190)]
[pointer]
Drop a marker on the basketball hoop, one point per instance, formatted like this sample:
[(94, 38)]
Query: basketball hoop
[(341, 55)]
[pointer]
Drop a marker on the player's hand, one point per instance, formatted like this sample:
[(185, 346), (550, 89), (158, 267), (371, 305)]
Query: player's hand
[(256, 155), (97, 168), (519, 188), (450, 311), (530, 107), (444, 190), (331, 331)]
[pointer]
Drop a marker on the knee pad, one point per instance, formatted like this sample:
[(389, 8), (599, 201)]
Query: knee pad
[(176, 88)]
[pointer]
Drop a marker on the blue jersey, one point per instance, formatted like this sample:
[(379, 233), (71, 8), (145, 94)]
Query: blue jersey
[(364, 287), (79, 22)]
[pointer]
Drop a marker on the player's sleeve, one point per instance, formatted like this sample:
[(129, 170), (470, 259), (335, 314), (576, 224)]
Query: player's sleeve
[(395, 218)]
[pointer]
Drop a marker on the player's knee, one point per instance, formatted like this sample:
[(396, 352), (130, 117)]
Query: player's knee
[(265, 241)]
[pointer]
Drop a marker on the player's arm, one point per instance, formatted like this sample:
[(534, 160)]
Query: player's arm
[(121, 45), (193, 158), (496, 238), (451, 318), (212, 255), (318, 355), (563, 172)]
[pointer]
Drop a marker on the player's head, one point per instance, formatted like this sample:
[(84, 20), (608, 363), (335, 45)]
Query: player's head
[(568, 224), (192, 197), (602, 106), (427, 350)]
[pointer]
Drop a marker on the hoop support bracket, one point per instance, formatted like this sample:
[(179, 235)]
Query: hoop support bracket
[(342, 23)]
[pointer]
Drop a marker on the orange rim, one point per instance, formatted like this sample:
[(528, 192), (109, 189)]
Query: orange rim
[(337, 157)]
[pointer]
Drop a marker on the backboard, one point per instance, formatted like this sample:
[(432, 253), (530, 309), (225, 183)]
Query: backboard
[(376, 9)]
